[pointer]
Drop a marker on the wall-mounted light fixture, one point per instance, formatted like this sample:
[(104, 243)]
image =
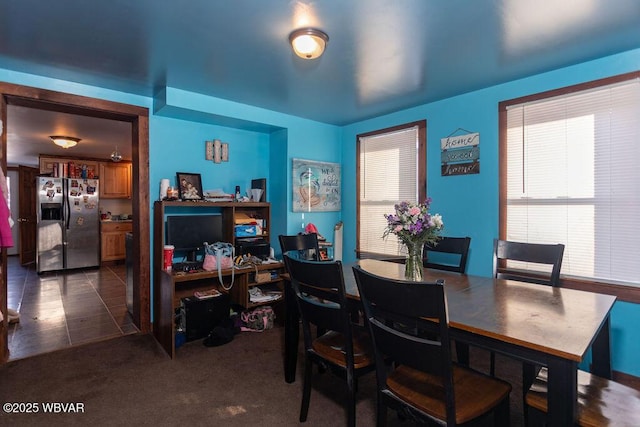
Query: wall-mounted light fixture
[(308, 43), (64, 141)]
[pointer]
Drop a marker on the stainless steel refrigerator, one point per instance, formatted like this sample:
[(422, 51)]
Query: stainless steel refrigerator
[(68, 234)]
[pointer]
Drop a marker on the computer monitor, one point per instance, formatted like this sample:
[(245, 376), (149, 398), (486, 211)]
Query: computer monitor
[(187, 233)]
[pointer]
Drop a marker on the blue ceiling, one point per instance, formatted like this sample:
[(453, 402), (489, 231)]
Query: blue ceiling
[(382, 56)]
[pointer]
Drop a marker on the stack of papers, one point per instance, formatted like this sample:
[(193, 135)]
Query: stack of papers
[(217, 195), (241, 218)]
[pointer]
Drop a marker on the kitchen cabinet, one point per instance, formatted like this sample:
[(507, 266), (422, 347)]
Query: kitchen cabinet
[(113, 239), (115, 180)]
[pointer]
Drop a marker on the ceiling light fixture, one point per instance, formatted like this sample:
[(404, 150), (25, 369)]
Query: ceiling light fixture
[(116, 156), (308, 43), (65, 141)]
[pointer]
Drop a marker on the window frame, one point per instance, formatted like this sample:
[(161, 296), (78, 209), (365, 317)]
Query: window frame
[(622, 292), (421, 173)]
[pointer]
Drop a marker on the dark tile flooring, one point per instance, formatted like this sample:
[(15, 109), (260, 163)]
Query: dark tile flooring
[(63, 309)]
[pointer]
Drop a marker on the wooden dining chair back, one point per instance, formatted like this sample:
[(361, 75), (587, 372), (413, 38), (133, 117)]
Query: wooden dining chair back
[(549, 255), (409, 326), (307, 244), (457, 250), (345, 348)]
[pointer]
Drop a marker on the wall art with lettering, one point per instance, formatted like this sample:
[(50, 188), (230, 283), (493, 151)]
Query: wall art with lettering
[(460, 155), (316, 186)]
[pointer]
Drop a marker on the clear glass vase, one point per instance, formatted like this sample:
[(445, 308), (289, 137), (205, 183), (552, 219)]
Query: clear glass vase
[(413, 265)]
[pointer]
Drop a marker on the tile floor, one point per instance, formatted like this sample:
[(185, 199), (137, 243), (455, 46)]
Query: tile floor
[(63, 309)]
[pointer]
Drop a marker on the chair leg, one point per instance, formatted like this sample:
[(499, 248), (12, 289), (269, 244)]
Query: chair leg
[(381, 411), (529, 373), (351, 402), (535, 417), (462, 353), (306, 390), (492, 364), (502, 415)]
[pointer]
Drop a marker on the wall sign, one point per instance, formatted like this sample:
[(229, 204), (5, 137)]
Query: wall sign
[(460, 154), (316, 186)]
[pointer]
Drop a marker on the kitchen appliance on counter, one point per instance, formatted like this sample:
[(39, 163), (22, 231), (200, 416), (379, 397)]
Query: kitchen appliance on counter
[(68, 232)]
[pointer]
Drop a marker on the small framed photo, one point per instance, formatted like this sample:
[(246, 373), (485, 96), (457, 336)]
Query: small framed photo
[(189, 186)]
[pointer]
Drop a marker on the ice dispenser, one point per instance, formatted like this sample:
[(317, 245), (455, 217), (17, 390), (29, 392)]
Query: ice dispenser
[(51, 211)]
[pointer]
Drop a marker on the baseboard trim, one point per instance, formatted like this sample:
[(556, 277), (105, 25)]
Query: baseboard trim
[(627, 379)]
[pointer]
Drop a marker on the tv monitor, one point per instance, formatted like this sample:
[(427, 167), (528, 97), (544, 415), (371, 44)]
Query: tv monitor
[(187, 233)]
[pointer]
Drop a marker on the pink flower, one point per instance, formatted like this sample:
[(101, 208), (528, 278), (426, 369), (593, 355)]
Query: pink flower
[(414, 210)]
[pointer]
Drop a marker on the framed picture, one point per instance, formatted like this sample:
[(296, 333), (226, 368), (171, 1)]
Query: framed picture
[(189, 186), (316, 186)]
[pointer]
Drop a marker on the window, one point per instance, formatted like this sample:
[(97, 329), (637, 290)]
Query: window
[(391, 167), (570, 173)]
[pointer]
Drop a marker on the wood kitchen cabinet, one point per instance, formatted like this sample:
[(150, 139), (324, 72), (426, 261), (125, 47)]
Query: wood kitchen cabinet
[(115, 180), (112, 239)]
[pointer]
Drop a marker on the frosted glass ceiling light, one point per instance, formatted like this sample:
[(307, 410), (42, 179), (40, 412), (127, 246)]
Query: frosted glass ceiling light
[(308, 43), (64, 141)]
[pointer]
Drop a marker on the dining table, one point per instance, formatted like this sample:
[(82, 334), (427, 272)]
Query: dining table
[(543, 325)]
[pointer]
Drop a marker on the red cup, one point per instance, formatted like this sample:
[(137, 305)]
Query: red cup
[(168, 257)]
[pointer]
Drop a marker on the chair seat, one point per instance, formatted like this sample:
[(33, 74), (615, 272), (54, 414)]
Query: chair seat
[(330, 346), (427, 393), (601, 402)]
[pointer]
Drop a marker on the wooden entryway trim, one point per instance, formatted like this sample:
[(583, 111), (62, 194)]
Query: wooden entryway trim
[(11, 94)]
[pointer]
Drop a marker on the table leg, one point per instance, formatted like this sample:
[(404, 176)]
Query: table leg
[(562, 398), (291, 334), (601, 352)]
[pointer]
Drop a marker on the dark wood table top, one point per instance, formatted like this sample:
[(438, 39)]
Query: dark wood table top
[(556, 321)]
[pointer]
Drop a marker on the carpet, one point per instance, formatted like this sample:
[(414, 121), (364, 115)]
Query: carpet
[(130, 381)]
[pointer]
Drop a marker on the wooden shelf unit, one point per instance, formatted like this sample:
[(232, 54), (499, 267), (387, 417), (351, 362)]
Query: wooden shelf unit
[(171, 287)]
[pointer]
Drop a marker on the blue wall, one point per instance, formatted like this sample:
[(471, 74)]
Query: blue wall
[(469, 204), (180, 122)]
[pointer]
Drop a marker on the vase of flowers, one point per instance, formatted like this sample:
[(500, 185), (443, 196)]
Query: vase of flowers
[(414, 226)]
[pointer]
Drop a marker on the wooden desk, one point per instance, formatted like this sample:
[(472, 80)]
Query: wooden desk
[(544, 325)]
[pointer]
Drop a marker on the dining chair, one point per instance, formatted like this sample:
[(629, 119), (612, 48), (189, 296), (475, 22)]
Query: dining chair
[(345, 349), (542, 255), (456, 250), (450, 254), (547, 261), (425, 384), (549, 255), (306, 243), (601, 402)]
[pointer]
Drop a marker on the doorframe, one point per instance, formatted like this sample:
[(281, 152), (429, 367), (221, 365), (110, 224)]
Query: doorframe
[(31, 97)]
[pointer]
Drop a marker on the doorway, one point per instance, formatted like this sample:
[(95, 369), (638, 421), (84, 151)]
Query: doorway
[(139, 118)]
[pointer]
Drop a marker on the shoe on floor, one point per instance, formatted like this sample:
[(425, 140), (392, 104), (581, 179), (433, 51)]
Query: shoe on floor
[(13, 316)]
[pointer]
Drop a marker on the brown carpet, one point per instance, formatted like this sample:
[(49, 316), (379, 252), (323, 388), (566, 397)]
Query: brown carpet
[(130, 381)]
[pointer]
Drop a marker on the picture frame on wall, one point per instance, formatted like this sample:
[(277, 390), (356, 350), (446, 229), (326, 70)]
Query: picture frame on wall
[(316, 186), (189, 186)]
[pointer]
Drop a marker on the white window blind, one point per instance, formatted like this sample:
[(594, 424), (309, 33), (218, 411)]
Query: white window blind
[(573, 177), (388, 174)]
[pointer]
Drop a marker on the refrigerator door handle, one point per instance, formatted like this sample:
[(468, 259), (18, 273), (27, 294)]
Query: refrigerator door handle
[(67, 207)]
